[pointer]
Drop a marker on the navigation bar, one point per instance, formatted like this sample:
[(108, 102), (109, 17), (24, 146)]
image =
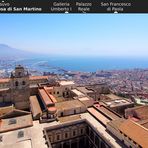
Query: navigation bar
[(73, 6)]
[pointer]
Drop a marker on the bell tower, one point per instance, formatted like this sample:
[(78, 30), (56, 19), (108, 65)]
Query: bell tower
[(19, 86)]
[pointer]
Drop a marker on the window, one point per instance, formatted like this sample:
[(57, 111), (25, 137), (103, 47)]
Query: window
[(57, 92), (82, 131), (61, 114), (103, 144), (129, 138), (12, 121), (74, 111), (19, 74), (134, 142), (97, 141), (91, 134), (23, 83), (1, 138), (16, 83), (50, 137), (74, 133), (87, 130), (125, 135), (58, 137), (66, 135), (20, 134)]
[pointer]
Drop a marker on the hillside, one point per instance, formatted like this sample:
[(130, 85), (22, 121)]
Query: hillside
[(7, 51)]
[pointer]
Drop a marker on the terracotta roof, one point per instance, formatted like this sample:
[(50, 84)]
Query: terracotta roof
[(47, 101), (144, 123), (38, 77), (52, 110), (21, 122), (14, 113), (4, 80), (135, 131), (116, 123), (66, 83), (142, 112), (133, 118), (53, 99), (86, 101), (5, 110), (98, 115), (48, 88), (68, 105), (35, 107), (106, 111), (69, 118), (84, 90)]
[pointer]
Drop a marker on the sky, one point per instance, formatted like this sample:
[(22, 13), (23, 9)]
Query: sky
[(77, 34)]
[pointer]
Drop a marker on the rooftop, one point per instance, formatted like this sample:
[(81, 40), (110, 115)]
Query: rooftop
[(101, 118), (113, 97), (135, 131), (4, 80), (140, 112), (88, 102), (46, 99), (68, 105), (15, 123), (12, 113), (21, 144), (66, 83), (84, 99), (53, 99), (84, 90), (33, 136), (107, 112), (116, 123), (77, 92), (144, 123), (37, 77), (69, 118), (4, 110), (35, 106), (118, 102)]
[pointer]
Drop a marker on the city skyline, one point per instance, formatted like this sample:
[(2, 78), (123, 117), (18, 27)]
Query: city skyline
[(77, 35)]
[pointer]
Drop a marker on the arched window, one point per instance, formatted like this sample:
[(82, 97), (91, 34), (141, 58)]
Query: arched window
[(16, 83), (19, 74), (23, 83)]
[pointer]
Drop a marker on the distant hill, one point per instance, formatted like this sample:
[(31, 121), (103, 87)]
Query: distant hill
[(7, 51)]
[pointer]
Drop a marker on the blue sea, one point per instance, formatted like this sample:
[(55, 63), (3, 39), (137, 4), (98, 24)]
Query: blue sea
[(87, 64)]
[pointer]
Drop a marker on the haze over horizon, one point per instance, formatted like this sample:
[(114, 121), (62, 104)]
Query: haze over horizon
[(77, 35)]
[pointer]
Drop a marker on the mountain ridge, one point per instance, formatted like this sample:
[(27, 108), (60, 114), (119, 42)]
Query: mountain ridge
[(8, 51)]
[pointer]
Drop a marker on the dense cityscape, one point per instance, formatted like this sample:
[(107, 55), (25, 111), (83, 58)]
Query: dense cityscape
[(131, 83), (102, 109)]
